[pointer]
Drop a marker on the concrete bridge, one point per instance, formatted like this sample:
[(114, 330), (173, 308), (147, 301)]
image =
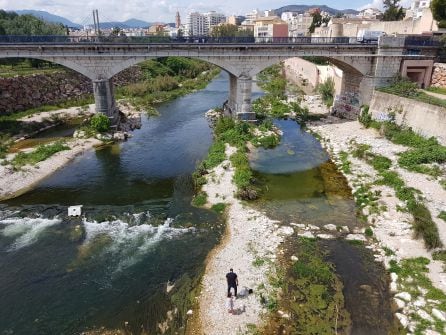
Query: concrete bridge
[(365, 66)]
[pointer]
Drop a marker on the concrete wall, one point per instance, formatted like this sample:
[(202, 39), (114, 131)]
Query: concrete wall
[(425, 119), (419, 71), (439, 75), (298, 69), (25, 92)]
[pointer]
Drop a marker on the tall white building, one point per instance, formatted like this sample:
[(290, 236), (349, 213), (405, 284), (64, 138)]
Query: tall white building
[(418, 6), (199, 24)]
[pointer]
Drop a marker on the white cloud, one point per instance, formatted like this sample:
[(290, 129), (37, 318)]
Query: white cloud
[(379, 4)]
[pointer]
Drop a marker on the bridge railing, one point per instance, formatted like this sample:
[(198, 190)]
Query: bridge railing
[(422, 41), (70, 39)]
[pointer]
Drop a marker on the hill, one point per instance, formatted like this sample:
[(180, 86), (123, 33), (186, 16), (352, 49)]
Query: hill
[(304, 8), (49, 17)]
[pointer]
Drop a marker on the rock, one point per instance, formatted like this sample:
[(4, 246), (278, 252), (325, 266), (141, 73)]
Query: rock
[(404, 296), (326, 236), (285, 231), (438, 314), (345, 229), (355, 237), (400, 304), (298, 225), (104, 137), (393, 287), (424, 315), (330, 227), (393, 277), (403, 319), (190, 312), (119, 136), (307, 234), (294, 258), (312, 227), (420, 302)]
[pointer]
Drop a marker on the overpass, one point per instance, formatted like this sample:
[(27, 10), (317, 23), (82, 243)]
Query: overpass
[(365, 66)]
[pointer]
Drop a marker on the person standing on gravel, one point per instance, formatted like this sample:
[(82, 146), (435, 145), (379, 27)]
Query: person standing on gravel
[(232, 280)]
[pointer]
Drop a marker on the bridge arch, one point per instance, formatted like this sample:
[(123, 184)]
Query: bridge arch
[(72, 65)]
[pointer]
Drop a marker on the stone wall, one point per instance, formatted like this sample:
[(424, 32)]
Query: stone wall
[(24, 92), (439, 75), (425, 119)]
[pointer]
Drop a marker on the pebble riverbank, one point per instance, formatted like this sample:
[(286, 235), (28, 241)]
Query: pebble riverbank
[(392, 228)]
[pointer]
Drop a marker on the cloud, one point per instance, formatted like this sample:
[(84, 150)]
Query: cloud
[(379, 4)]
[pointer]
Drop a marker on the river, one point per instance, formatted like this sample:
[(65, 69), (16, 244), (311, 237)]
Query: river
[(61, 275)]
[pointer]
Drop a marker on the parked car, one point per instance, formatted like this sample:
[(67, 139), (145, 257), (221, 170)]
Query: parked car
[(369, 36)]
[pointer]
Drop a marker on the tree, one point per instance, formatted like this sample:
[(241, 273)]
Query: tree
[(229, 30), (318, 21), (13, 24), (393, 11), (438, 8)]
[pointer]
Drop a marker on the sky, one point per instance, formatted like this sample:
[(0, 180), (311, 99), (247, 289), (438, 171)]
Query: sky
[(79, 11)]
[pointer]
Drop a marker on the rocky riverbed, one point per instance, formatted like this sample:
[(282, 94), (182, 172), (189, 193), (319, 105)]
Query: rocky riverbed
[(394, 241)]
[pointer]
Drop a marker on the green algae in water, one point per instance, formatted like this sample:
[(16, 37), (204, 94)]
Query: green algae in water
[(312, 295)]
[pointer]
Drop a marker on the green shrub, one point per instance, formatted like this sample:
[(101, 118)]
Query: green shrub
[(361, 150), (42, 153), (200, 199), (442, 215), (424, 226), (327, 91), (365, 117), (100, 123), (216, 155), (368, 232), (345, 163), (219, 208), (381, 163)]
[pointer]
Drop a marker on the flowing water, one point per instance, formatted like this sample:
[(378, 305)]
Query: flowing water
[(61, 275), (110, 268)]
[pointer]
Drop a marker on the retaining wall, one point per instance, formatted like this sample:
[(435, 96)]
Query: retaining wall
[(439, 75), (24, 92), (425, 119)]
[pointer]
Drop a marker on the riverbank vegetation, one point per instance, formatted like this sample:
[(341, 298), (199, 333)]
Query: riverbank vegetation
[(407, 89), (413, 279), (35, 156), (423, 224), (166, 79), (309, 293), (327, 91), (425, 154)]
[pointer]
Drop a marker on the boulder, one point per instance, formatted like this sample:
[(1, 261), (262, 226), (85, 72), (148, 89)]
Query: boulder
[(404, 296)]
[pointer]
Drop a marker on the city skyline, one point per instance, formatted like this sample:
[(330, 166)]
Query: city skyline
[(162, 10)]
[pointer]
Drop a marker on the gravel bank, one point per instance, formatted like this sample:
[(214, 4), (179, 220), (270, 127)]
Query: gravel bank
[(14, 183), (250, 234)]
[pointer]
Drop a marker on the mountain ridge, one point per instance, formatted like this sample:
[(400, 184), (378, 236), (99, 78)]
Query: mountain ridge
[(304, 8), (46, 16)]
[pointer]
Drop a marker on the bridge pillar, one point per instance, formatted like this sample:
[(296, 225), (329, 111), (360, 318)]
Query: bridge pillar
[(240, 93), (105, 99)]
